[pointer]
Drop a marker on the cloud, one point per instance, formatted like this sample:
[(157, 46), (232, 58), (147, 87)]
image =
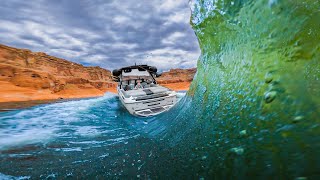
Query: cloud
[(172, 38), (96, 58), (110, 34), (169, 5)]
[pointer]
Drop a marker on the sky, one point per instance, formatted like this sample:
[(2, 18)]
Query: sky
[(106, 33)]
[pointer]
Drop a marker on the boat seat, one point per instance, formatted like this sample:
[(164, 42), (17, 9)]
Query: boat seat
[(145, 91), (158, 89), (135, 93)]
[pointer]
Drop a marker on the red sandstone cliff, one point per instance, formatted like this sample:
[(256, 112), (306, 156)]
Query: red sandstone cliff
[(177, 79), (177, 75), (24, 75)]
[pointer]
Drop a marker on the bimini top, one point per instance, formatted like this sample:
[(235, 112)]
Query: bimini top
[(140, 67), (135, 72)]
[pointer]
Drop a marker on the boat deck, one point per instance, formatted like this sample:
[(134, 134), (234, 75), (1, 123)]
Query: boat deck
[(145, 91)]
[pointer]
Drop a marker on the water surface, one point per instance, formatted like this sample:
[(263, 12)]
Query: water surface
[(81, 138)]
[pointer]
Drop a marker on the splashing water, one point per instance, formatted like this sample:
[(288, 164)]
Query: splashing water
[(91, 138), (252, 111)]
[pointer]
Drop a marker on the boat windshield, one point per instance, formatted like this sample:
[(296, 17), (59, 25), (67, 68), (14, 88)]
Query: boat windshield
[(137, 84)]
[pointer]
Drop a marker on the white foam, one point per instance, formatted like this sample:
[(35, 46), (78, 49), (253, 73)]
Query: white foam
[(73, 149), (42, 123), (180, 95), (104, 155), (87, 131), (75, 162), (7, 177), (87, 142)]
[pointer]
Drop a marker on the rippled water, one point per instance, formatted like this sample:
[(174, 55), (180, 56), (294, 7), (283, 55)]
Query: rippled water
[(84, 138), (252, 111)]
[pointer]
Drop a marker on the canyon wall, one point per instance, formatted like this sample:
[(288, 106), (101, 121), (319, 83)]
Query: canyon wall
[(24, 71), (177, 76)]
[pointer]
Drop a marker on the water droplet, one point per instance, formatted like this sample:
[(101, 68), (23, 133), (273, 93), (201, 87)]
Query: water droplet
[(270, 96), (285, 128), (297, 119), (272, 2), (237, 150), (204, 157), (243, 133), (268, 78)]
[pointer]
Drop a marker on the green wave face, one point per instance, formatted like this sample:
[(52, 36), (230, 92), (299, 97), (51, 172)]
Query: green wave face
[(254, 106)]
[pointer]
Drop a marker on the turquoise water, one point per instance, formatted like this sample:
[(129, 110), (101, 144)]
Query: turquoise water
[(91, 138), (252, 110)]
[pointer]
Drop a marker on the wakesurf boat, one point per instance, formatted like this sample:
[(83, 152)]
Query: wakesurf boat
[(140, 93)]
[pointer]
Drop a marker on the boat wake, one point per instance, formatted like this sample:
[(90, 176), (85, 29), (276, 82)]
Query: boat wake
[(45, 122), (94, 128)]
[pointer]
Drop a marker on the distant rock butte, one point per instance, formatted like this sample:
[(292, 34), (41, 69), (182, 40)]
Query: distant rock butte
[(27, 75), (177, 76), (177, 79)]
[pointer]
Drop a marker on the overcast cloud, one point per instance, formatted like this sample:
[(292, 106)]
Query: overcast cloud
[(107, 33)]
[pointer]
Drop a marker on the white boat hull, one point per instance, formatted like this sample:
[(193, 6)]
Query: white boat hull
[(148, 105)]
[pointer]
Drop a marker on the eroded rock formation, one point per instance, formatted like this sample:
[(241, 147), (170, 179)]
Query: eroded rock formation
[(39, 71), (177, 76)]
